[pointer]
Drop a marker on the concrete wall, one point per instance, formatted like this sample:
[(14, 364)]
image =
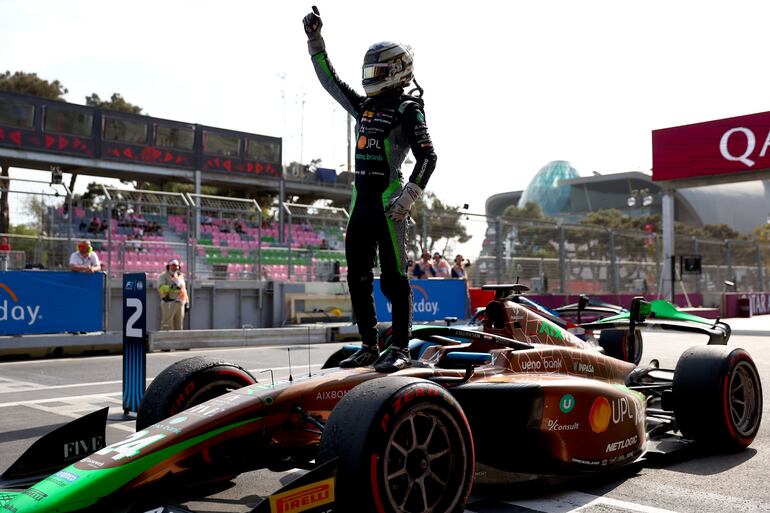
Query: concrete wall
[(227, 304)]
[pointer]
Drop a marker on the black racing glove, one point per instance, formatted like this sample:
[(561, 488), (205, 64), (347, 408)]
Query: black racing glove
[(313, 24)]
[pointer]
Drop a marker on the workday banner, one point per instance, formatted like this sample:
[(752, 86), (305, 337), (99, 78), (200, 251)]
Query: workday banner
[(36, 302), (433, 300)]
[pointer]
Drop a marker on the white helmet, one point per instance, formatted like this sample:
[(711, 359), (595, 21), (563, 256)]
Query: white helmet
[(387, 66)]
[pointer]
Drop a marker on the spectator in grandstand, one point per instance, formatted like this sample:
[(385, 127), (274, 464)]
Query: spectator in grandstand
[(133, 243), (390, 121), (238, 226), (423, 269), (441, 266), (84, 260), (95, 225), (5, 246), (173, 297), (458, 270)]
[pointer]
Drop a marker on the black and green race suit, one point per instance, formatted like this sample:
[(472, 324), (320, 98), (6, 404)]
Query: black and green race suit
[(388, 125)]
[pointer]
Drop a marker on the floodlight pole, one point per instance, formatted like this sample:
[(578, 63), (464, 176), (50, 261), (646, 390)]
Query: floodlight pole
[(668, 243)]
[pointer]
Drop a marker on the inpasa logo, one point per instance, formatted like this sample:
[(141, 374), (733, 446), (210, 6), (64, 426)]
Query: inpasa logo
[(16, 312), (420, 302)]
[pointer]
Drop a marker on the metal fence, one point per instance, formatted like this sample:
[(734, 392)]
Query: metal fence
[(219, 238), (214, 237), (551, 257)]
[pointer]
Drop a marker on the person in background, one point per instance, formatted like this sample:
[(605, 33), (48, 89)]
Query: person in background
[(441, 266), (423, 269), (410, 267), (95, 226), (85, 260), (173, 297), (458, 270), (5, 250)]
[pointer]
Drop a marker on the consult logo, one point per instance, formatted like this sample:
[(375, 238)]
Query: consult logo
[(16, 312)]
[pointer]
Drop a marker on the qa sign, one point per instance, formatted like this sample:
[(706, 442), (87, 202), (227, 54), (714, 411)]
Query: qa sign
[(725, 146)]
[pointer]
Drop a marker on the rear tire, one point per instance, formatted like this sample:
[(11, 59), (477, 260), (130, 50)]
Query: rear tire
[(718, 397), (616, 344), (403, 445), (186, 383)]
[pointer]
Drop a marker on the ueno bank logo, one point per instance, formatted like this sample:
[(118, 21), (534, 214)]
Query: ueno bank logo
[(16, 312), (420, 302)]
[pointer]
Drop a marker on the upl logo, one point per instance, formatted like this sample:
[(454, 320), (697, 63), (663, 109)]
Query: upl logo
[(420, 302), (13, 311)]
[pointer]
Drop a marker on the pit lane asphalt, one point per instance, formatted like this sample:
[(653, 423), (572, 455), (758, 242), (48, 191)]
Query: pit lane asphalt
[(38, 395)]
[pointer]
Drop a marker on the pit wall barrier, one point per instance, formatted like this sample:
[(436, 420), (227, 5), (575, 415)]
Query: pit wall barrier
[(745, 304), (480, 298), (231, 304), (433, 300), (44, 302)]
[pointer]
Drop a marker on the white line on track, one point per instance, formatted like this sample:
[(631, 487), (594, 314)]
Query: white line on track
[(70, 398), (128, 426), (28, 387), (571, 502), (66, 398), (174, 354)]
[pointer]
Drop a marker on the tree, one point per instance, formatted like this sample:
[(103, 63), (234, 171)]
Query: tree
[(527, 232), (116, 102), (25, 83), (30, 83), (437, 225)]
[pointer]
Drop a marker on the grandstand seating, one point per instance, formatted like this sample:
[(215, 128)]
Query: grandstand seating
[(221, 250)]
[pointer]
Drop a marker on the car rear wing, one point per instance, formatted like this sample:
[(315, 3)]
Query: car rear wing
[(591, 307), (662, 315)]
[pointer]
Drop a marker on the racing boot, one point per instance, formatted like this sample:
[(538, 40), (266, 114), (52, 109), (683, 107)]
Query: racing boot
[(365, 356), (393, 359)]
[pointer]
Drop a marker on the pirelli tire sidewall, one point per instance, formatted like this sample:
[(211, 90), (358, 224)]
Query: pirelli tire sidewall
[(187, 383), (717, 397), (360, 433)]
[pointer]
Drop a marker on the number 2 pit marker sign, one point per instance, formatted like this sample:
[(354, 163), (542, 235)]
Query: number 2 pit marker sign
[(134, 339)]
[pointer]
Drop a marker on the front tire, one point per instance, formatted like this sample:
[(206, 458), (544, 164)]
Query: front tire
[(718, 397), (403, 445), (187, 383), (617, 345)]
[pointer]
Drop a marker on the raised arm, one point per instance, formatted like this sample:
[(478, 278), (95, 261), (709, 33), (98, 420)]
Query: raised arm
[(339, 90)]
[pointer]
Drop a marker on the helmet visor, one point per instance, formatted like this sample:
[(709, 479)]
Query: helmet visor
[(375, 71)]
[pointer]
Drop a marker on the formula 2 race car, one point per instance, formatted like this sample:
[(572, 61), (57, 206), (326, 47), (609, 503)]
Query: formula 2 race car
[(413, 441)]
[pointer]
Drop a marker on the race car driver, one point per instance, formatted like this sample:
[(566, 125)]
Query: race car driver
[(389, 123)]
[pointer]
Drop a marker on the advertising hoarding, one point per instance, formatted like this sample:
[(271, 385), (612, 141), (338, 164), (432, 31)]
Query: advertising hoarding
[(721, 147), (433, 300), (38, 302)]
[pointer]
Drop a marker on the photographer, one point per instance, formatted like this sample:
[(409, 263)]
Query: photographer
[(173, 297)]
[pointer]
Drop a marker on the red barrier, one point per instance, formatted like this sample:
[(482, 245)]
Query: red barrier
[(745, 304)]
